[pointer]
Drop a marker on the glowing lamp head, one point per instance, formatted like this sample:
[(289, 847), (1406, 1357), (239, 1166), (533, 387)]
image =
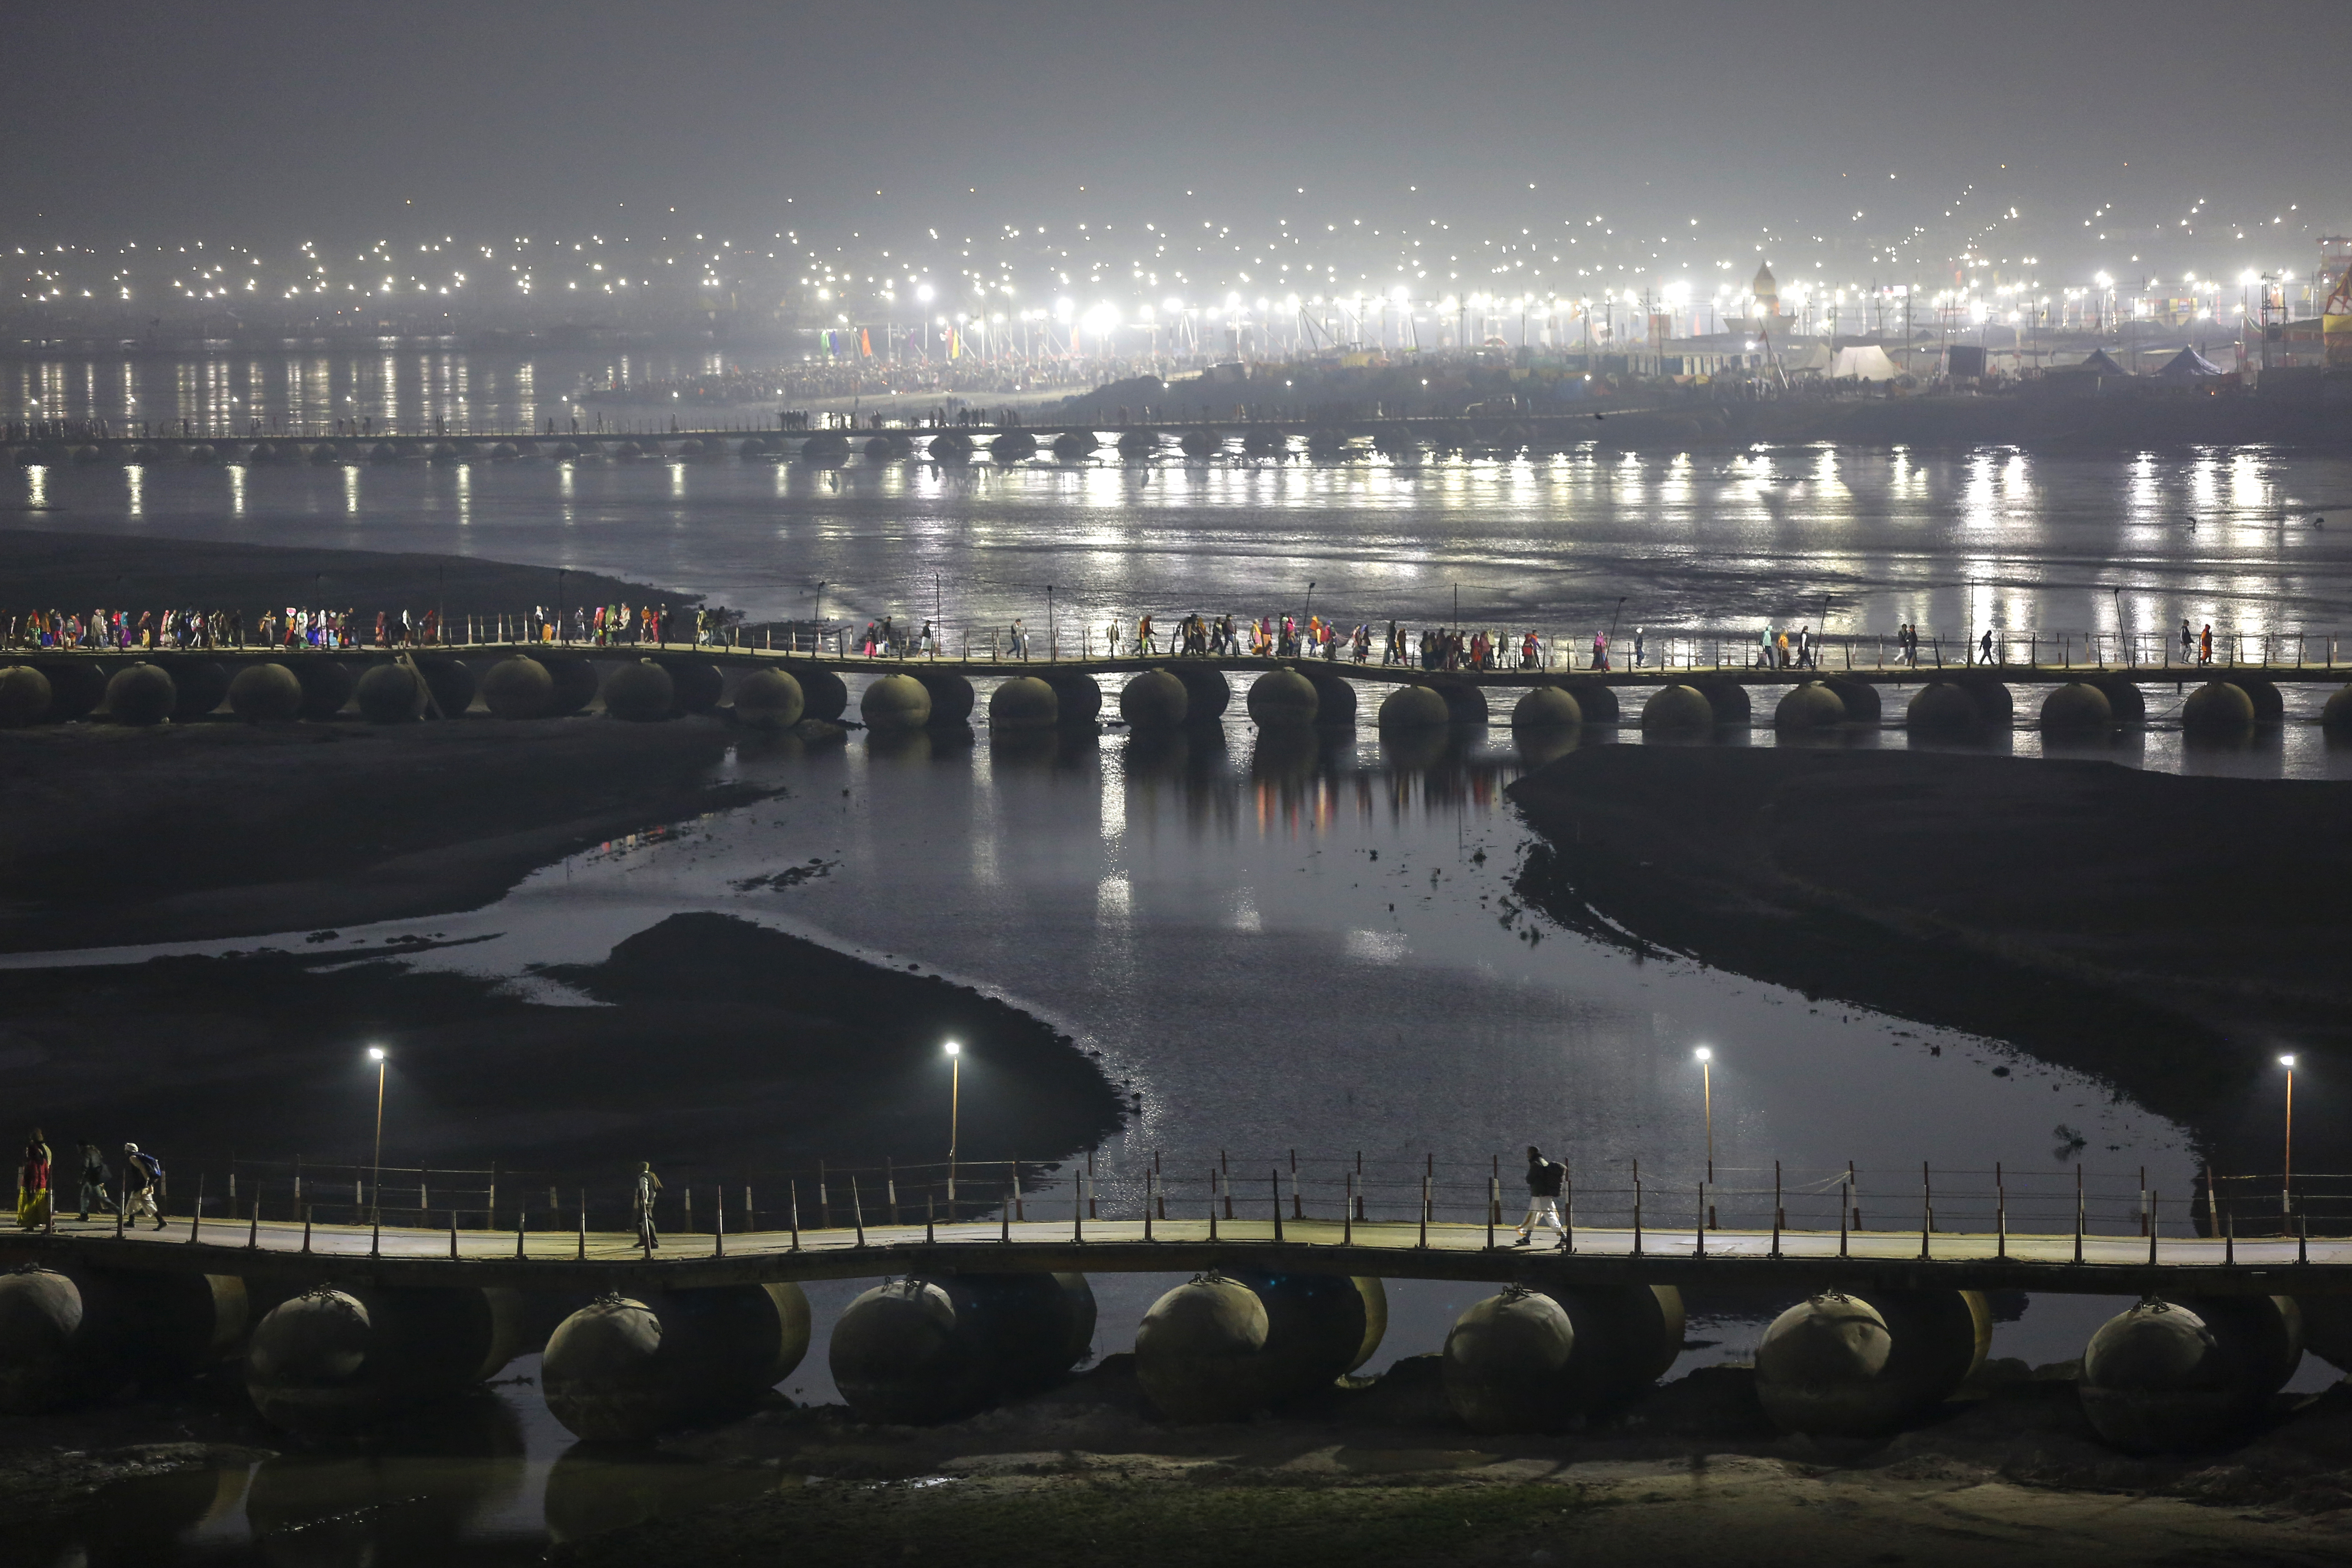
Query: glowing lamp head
[(2287, 1062), (376, 1053), (1705, 1054), (954, 1049)]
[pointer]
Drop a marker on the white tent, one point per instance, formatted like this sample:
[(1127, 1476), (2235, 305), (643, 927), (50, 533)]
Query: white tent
[(1814, 356), (1869, 361)]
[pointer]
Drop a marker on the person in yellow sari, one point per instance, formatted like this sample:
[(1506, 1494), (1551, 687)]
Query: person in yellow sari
[(33, 1184)]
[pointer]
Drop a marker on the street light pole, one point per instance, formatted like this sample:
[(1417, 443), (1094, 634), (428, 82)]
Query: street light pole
[(955, 1108), (375, 1173), (1706, 1056), (2286, 1174)]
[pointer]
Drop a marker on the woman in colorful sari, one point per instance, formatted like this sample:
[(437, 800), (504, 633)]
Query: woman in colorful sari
[(33, 1184)]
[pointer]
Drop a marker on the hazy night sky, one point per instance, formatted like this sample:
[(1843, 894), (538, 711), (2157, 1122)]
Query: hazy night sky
[(263, 124)]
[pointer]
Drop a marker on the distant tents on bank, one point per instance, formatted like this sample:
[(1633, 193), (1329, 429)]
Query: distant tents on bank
[(2189, 366)]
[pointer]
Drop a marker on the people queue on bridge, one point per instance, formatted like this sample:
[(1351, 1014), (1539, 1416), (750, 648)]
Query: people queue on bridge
[(294, 628), (142, 1181)]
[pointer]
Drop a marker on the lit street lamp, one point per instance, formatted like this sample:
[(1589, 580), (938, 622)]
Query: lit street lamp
[(375, 1174), (1706, 1056), (2286, 1172), (955, 1100)]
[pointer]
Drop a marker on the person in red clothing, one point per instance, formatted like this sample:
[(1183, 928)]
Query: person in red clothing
[(33, 1184)]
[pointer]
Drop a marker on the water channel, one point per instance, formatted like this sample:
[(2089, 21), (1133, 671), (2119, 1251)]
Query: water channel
[(1277, 949)]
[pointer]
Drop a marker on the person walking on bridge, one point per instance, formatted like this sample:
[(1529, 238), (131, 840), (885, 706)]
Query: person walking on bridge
[(142, 1187), (2205, 644), (1544, 1179), (647, 1188), (96, 1191), (33, 1184)]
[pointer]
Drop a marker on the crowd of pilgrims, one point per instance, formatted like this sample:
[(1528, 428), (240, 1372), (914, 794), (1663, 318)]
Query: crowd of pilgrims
[(291, 627), (296, 627), (1287, 637)]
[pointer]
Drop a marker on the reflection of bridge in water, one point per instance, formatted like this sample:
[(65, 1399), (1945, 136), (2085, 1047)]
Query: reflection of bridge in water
[(878, 438)]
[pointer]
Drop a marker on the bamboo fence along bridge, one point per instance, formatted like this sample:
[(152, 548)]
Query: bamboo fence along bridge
[(2277, 657), (2074, 1230)]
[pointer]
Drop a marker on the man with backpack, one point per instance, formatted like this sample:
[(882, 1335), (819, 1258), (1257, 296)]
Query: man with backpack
[(1544, 1179), (142, 1187)]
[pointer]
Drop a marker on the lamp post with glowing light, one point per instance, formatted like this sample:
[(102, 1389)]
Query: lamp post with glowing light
[(375, 1173), (955, 1101), (1706, 1056), (2286, 1171)]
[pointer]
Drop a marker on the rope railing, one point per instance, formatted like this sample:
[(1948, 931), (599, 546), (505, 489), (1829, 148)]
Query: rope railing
[(1288, 1186), (2015, 656)]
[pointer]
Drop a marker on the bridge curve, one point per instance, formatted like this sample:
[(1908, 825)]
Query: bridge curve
[(1797, 1260)]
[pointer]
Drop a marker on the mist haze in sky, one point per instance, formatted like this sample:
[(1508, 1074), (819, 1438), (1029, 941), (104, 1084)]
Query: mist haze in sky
[(1876, 138)]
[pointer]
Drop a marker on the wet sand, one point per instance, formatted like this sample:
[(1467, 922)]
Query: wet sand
[(75, 572), (717, 1049), (1384, 1474), (2169, 933), (186, 832), (1372, 1471)]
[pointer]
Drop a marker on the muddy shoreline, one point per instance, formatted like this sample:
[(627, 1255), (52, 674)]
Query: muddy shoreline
[(2169, 934), (193, 832), (53, 569), (1373, 1471), (720, 1049)]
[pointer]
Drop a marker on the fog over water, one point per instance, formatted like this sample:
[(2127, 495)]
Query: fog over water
[(1713, 542), (1213, 918)]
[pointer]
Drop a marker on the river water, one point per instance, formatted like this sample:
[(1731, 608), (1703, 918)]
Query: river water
[(1318, 950)]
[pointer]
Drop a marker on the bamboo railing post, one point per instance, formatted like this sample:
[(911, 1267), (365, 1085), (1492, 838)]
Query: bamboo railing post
[(1567, 1209), (1637, 1208), (2081, 1217)]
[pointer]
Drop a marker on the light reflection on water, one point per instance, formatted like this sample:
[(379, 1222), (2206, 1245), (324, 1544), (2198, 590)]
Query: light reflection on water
[(1714, 545), (1207, 910)]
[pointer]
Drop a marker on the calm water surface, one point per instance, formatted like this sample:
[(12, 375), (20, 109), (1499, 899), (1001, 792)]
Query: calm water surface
[(1317, 950), (1709, 545)]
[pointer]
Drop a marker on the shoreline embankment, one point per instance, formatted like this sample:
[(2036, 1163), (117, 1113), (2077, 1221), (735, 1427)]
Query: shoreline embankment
[(2169, 934)]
